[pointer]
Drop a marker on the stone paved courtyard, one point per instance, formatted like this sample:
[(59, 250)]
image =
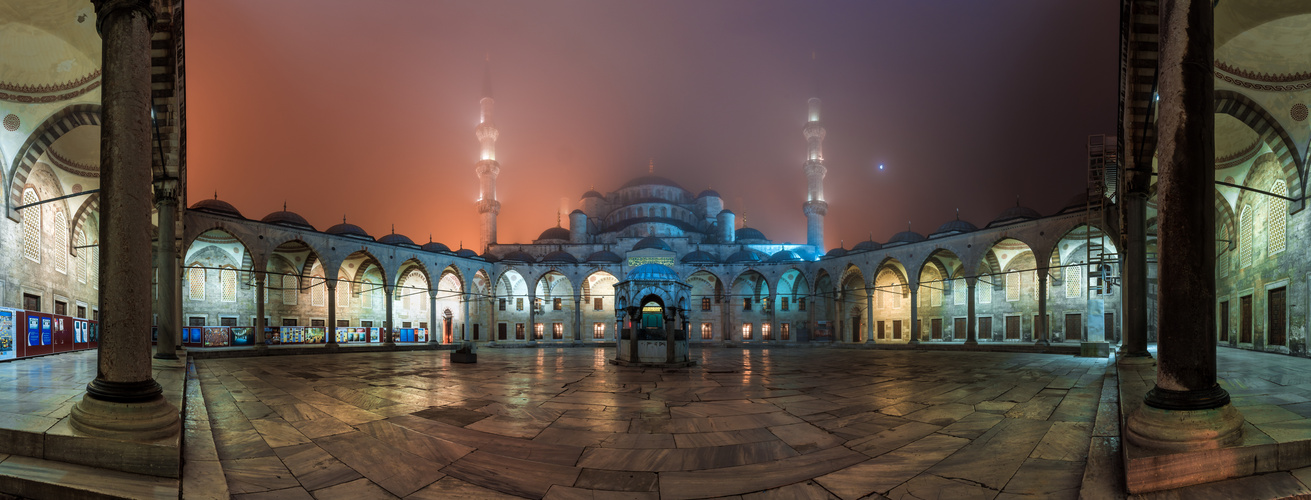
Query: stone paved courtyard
[(562, 423)]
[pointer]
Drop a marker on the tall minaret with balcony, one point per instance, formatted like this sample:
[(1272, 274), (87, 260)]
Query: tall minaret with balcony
[(487, 167), (815, 207)]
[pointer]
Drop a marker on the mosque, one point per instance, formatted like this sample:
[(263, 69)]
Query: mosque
[(229, 281)]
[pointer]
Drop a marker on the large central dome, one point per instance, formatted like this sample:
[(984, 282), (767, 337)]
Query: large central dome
[(650, 180)]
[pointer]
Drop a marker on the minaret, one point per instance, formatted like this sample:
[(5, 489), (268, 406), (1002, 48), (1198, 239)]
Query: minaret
[(815, 207), (487, 167)]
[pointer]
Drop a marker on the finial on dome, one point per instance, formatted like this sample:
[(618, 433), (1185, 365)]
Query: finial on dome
[(393, 229), (1017, 200), (284, 205), (343, 218), (957, 214), (650, 168), (216, 194), (908, 225), (429, 237)]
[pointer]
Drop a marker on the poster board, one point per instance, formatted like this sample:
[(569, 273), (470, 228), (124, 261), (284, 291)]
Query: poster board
[(8, 334)]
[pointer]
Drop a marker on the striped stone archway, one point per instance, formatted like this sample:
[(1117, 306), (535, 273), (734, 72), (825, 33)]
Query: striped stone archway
[(54, 127)]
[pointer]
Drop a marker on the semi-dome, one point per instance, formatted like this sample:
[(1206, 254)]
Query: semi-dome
[(866, 246), (605, 256), (708, 192), (652, 242), (744, 255), (836, 252), (519, 255), (906, 237), (699, 257), (560, 256), (653, 272), (593, 194), (651, 180), (466, 252), (956, 226), (433, 246), (747, 233), (347, 229), (217, 206), (784, 256), (1016, 213), (285, 218), (396, 239), (555, 233)]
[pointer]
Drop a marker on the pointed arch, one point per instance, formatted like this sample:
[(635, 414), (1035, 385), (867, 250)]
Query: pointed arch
[(1271, 132), (43, 136)]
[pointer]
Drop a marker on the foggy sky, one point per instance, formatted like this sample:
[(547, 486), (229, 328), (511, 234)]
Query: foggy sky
[(367, 109)]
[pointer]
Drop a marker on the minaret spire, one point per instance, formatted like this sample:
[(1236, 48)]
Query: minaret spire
[(487, 168), (815, 207)]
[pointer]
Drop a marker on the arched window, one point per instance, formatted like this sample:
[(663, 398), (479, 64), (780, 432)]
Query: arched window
[(31, 226), (95, 265), (959, 292), (1012, 286), (1245, 237), (1277, 217), (1073, 282), (196, 282), (318, 292), (984, 289), (61, 242), (290, 288), (228, 278), (79, 241)]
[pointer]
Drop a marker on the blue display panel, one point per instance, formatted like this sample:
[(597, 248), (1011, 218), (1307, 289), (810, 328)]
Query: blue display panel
[(8, 334)]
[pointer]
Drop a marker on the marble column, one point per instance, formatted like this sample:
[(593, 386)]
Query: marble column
[(634, 323), (260, 277), (1134, 292), (166, 255), (436, 335), (671, 315), (124, 401), (1187, 409), (578, 314), (332, 312), (914, 314), (869, 315), (387, 330), (1041, 336), (465, 331), (971, 321), (531, 332)]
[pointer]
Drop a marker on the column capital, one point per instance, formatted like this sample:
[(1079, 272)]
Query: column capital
[(166, 191), (106, 7)]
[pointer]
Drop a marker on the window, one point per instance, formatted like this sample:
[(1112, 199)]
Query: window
[(61, 242), (706, 331), (81, 311), (1073, 282), (1223, 262), (196, 282), (343, 294), (784, 331), (61, 308), (557, 304), (342, 323), (501, 304), (538, 329), (1012, 287), (31, 302), (746, 331), (289, 321), (766, 304), (196, 321), (598, 304), (228, 277), (801, 304), (746, 304), (1276, 316), (984, 292), (766, 331), (31, 226), (705, 303), (228, 321), (289, 290), (935, 293), (1245, 237), (557, 331), (598, 330), (79, 240), (1277, 218), (959, 292), (366, 324), (878, 297), (366, 294), (783, 304), (518, 303)]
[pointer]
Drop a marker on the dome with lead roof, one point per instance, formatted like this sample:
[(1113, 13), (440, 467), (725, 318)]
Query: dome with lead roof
[(285, 218), (652, 272), (217, 206), (652, 242)]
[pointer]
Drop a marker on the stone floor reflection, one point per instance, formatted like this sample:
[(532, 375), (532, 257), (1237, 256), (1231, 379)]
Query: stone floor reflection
[(561, 423)]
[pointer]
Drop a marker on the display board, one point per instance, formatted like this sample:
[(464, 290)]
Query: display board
[(8, 334), (242, 335), (217, 336)]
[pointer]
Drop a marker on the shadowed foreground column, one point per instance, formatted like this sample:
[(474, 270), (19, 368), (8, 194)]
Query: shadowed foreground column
[(970, 320), (124, 401), (1187, 410), (1040, 326), (332, 313), (166, 200)]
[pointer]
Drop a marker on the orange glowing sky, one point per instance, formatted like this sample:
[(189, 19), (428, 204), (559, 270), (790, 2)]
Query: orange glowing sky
[(367, 109)]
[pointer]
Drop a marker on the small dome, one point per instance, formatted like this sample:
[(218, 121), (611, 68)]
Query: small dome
[(906, 237), (956, 226), (217, 206), (555, 233), (708, 192), (345, 229), (836, 252), (744, 255), (726, 212), (605, 256), (285, 218), (652, 272), (433, 246), (785, 256), (560, 256), (489, 257), (465, 252), (396, 239), (747, 233), (519, 255), (652, 242), (593, 194), (1018, 213), (699, 257), (867, 245)]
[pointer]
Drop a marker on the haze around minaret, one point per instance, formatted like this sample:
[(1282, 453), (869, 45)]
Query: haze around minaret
[(369, 110)]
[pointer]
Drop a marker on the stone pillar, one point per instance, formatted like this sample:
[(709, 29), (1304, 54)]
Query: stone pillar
[(166, 255), (387, 329), (1186, 410), (914, 314), (433, 333), (578, 314), (671, 315), (124, 401), (634, 323), (530, 334), (1134, 293), (332, 312), (260, 276), (465, 332), (1040, 333), (869, 314), (971, 321)]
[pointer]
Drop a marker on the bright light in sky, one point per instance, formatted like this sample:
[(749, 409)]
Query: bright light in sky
[(880, 166)]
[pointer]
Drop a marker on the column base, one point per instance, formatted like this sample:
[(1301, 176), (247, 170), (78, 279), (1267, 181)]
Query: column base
[(971, 342), (1184, 430), (166, 355), (148, 420), (913, 342), (332, 346), (1042, 342)]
